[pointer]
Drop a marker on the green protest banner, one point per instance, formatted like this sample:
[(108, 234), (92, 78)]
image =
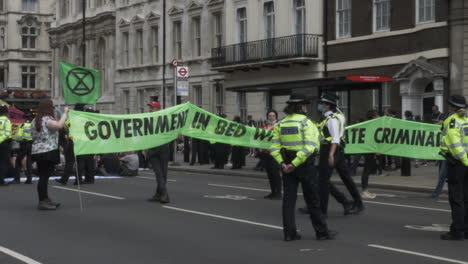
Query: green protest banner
[(98, 133), (80, 85), (395, 137)]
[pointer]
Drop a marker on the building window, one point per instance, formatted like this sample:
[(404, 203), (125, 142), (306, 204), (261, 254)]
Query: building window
[(99, 3), (65, 55), (79, 7), (425, 11), (126, 102), (177, 40), (381, 15), (269, 14), (219, 93), (197, 95), (2, 38), (29, 5), (218, 30), (196, 31), (141, 100), (343, 102), (64, 7), (125, 46), (155, 43), (343, 18), (2, 5), (242, 98), (28, 37), (242, 24), (139, 46), (386, 96), (101, 48), (28, 77), (2, 78), (300, 16)]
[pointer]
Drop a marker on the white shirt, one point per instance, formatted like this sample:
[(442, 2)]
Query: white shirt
[(335, 126)]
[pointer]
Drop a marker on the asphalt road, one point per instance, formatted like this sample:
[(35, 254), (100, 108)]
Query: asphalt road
[(213, 220)]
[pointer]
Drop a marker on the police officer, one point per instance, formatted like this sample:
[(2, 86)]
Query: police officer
[(332, 157), (5, 144), (25, 141), (454, 148), (294, 144), (159, 160)]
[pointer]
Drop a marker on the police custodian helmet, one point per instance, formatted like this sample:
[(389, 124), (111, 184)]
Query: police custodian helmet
[(298, 99)]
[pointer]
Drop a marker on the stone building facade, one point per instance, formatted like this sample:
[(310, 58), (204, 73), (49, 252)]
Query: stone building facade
[(25, 57)]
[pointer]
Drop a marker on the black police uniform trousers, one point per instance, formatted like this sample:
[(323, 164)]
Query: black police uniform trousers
[(457, 179), (159, 160), (69, 162), (327, 187), (86, 167), (306, 175), (24, 152), (273, 172), (5, 155)]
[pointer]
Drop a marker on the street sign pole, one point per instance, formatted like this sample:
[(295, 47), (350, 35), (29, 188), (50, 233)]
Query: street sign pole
[(174, 156)]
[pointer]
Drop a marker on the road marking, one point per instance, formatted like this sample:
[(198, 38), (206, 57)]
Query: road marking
[(419, 254), (241, 188), (432, 228), (223, 217), (152, 178), (92, 193), (17, 255), (389, 204), (229, 197), (389, 195), (410, 206)]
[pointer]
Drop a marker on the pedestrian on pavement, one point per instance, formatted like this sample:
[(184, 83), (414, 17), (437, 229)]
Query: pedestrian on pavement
[(271, 166), (5, 144), (130, 164), (437, 117), (370, 163), (454, 140), (294, 145), (159, 160), (45, 148), (332, 157)]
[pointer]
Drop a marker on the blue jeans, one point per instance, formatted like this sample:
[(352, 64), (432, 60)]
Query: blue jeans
[(442, 177)]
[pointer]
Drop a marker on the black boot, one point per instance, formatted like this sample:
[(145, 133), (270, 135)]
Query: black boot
[(452, 236), (164, 198), (292, 237), (330, 235)]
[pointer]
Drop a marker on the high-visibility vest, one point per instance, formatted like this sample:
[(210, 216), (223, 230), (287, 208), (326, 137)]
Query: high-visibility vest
[(324, 132), (5, 129), (295, 132), (455, 138), (27, 133)]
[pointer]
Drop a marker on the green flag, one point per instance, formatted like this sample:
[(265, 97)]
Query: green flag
[(80, 85)]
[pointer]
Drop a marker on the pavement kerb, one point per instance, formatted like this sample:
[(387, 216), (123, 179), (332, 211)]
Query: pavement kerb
[(262, 175)]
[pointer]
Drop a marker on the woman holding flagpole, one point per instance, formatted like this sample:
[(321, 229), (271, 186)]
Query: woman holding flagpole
[(45, 148)]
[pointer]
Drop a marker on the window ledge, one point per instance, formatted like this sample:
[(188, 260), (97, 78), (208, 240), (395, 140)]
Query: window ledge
[(140, 67)]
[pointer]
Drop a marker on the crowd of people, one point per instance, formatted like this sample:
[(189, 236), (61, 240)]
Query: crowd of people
[(42, 146)]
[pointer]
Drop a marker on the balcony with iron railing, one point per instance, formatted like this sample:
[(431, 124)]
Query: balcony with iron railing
[(295, 48)]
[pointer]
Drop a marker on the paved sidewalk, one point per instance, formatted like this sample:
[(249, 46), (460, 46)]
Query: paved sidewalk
[(423, 179)]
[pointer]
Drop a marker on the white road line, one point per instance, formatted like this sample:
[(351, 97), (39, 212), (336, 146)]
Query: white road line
[(410, 206), (223, 217), (419, 254), (92, 193), (241, 188), (18, 256), (152, 178), (371, 202)]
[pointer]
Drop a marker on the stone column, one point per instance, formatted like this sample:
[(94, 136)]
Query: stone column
[(439, 92)]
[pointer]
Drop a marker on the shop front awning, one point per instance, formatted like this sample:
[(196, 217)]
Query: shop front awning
[(340, 83)]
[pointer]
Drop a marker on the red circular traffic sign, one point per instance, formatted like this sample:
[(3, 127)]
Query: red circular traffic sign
[(183, 72)]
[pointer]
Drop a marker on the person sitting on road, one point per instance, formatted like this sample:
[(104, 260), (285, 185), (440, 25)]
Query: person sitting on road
[(130, 164)]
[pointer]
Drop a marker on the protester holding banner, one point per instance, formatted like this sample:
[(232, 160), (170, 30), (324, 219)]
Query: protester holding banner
[(45, 149), (5, 144), (332, 157), (294, 144), (453, 148), (271, 166), (369, 165), (159, 160)]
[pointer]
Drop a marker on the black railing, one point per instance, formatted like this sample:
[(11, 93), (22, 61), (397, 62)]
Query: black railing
[(296, 46)]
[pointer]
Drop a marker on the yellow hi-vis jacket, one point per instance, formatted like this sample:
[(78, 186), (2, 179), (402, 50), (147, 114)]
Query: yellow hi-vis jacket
[(5, 128), (455, 138), (27, 133), (295, 132)]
